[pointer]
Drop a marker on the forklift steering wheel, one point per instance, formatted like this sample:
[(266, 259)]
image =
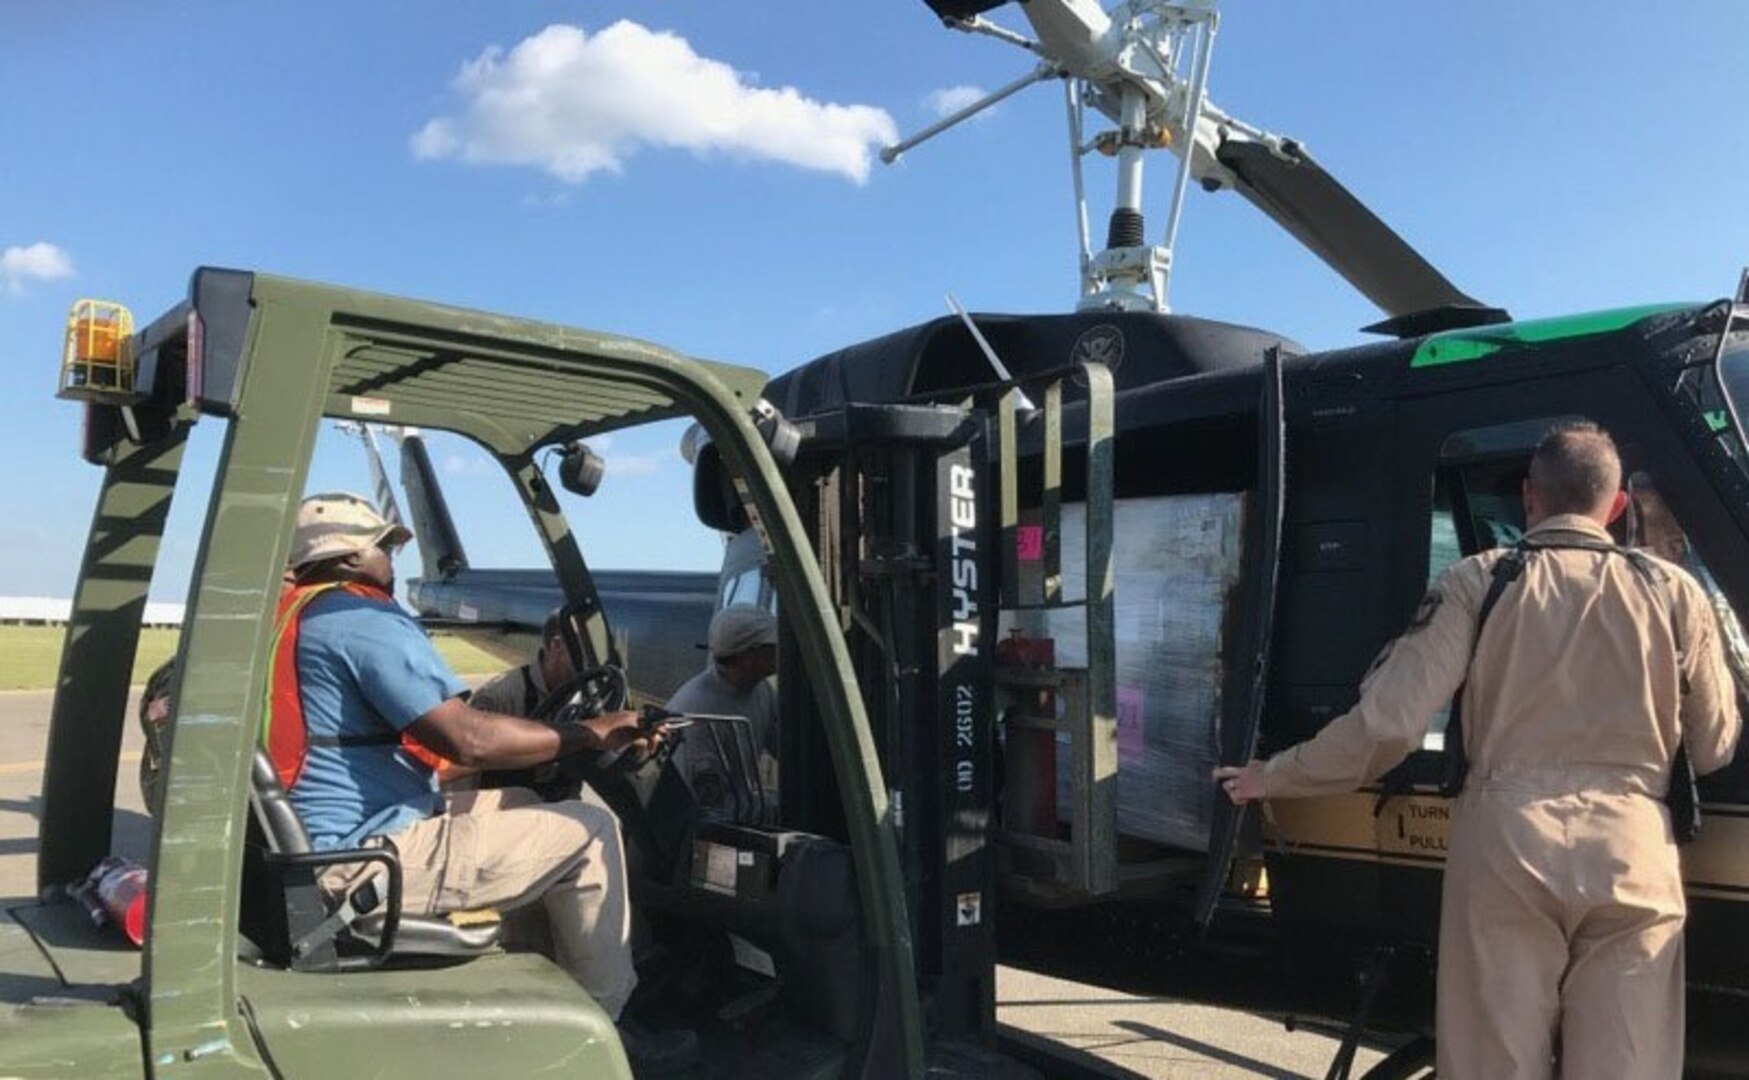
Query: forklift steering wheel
[(597, 690)]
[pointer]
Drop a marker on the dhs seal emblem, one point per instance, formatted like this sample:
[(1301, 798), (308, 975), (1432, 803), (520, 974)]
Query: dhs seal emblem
[(1102, 344)]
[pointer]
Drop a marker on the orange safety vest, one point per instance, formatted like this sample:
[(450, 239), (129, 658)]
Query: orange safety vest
[(283, 731)]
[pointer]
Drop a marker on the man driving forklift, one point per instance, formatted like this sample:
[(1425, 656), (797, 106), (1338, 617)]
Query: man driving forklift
[(355, 676)]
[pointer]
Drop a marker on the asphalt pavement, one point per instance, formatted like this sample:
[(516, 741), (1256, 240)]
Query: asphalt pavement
[(1134, 1036)]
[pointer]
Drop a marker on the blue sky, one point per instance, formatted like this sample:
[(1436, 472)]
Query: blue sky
[(1550, 157)]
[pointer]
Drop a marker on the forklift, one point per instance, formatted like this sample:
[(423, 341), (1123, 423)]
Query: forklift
[(851, 934)]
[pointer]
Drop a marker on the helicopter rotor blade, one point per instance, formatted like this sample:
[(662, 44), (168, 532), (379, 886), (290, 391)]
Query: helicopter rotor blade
[(955, 10), (1320, 213)]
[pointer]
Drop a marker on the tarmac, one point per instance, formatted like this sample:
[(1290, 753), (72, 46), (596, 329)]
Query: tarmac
[(1132, 1036)]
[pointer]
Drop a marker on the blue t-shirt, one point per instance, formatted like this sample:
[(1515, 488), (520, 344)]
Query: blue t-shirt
[(365, 668)]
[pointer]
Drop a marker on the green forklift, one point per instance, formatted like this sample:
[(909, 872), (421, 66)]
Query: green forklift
[(799, 935)]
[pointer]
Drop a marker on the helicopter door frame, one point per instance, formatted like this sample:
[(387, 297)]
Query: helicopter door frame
[(1611, 396), (1239, 740)]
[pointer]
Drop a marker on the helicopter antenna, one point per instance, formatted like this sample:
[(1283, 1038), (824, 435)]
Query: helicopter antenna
[(1143, 65), (988, 350)]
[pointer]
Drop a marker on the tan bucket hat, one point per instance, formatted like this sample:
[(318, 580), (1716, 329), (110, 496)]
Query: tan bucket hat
[(337, 523)]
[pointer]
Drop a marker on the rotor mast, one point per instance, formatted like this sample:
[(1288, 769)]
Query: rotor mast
[(1144, 66)]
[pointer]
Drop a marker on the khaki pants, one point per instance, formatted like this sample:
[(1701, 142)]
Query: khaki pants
[(505, 849), (1561, 932)]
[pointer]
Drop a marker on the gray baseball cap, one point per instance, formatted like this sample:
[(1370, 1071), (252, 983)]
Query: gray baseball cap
[(736, 629)]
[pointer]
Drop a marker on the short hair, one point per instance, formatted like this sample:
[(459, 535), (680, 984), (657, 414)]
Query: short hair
[(559, 627), (554, 627), (1575, 468)]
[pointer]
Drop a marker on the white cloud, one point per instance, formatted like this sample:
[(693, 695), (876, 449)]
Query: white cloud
[(634, 464), (461, 465), (948, 101), (38, 262), (625, 463), (574, 104)]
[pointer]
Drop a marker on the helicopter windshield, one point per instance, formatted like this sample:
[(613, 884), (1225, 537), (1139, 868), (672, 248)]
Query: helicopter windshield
[(1724, 401), (1734, 376)]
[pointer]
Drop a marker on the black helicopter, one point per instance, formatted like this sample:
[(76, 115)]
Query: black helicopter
[(1344, 480)]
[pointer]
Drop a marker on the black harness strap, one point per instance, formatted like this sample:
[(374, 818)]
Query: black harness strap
[(1457, 766), (530, 696), (1398, 781), (379, 739), (1457, 763)]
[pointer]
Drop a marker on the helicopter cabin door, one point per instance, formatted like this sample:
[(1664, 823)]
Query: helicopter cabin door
[(1463, 455), (1238, 730)]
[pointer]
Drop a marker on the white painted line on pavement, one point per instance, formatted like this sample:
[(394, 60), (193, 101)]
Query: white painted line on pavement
[(15, 768)]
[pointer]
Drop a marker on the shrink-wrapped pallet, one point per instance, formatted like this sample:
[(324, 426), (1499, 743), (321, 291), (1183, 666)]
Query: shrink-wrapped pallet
[(1176, 562)]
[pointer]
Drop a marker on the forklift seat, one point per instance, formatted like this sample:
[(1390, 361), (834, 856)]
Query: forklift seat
[(290, 921)]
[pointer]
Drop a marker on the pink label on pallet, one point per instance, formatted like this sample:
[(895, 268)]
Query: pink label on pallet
[(1029, 542), (1130, 700)]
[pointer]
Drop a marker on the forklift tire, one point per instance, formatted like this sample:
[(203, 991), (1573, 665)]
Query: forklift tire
[(1413, 1060)]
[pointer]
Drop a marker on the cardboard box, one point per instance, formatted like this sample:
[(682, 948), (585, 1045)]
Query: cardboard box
[(1177, 562)]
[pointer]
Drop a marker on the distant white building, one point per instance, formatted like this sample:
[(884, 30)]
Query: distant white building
[(51, 611)]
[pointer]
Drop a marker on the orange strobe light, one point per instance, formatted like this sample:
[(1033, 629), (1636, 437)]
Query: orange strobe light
[(98, 364)]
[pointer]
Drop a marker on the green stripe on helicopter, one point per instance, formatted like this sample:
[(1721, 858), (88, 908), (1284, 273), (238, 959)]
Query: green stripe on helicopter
[(1458, 346)]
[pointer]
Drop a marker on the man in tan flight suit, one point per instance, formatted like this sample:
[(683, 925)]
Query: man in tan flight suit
[(1561, 930)]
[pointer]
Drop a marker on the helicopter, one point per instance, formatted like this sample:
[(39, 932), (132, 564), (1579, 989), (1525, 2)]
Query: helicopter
[(1339, 483)]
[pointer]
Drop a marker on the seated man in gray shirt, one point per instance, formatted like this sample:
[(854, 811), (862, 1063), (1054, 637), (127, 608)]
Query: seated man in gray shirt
[(519, 690), (743, 648)]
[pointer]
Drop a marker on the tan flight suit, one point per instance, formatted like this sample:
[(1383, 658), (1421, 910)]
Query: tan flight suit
[(1563, 905)]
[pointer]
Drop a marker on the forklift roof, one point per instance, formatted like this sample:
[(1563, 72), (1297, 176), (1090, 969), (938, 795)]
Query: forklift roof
[(514, 385)]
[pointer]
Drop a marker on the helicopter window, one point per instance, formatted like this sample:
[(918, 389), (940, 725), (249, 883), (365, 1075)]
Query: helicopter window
[(1650, 523), (1490, 506), (1722, 400), (1443, 547), (1718, 395), (1477, 504), (744, 588), (1480, 478), (742, 578)]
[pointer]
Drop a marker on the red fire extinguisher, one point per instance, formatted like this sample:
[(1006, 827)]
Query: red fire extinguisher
[(115, 892), (1029, 735)]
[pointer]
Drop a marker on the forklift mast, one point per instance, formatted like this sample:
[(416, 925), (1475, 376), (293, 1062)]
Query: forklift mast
[(916, 511)]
